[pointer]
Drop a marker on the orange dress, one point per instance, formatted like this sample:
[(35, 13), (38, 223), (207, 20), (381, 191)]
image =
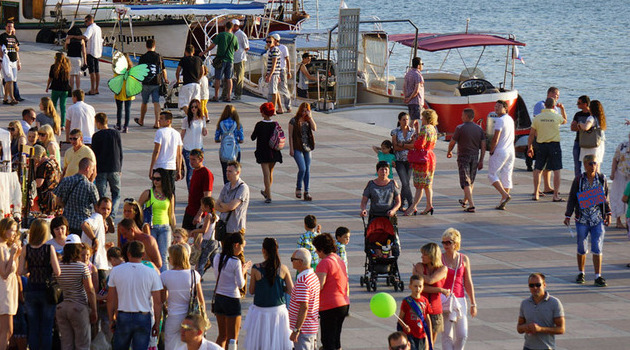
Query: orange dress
[(423, 172)]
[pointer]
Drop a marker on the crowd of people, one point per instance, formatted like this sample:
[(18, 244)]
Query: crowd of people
[(68, 285)]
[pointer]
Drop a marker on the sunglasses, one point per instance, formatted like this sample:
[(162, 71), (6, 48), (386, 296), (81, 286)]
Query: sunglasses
[(399, 347), (535, 285), (447, 242), (41, 133), (268, 41), (130, 200), (73, 138), (295, 259), (11, 128), (186, 327), (157, 178)]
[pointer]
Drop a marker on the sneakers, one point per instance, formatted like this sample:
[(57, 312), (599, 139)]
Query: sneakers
[(580, 278), (600, 282)]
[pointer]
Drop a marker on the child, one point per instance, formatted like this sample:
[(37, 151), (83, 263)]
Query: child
[(180, 236), (208, 246), (385, 152), (86, 254), (306, 239), (343, 237), (121, 99), (204, 93), (414, 313)]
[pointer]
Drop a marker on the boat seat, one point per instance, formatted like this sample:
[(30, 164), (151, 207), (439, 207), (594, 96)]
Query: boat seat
[(443, 93)]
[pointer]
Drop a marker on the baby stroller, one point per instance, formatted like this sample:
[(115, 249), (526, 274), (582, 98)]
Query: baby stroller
[(171, 100), (382, 249)]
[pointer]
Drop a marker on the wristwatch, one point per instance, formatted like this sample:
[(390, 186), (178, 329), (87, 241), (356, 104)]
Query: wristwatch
[(296, 330)]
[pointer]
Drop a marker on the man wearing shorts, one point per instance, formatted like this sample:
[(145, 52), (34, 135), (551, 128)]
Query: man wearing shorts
[(10, 64), (590, 217), (151, 84), (226, 44), (470, 139), (94, 40), (273, 69), (501, 162), (414, 91), (190, 67), (546, 130)]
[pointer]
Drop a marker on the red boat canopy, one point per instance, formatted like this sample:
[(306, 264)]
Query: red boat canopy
[(437, 42)]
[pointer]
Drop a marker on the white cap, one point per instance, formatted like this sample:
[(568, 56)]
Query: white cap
[(73, 239), (236, 22), (275, 36)]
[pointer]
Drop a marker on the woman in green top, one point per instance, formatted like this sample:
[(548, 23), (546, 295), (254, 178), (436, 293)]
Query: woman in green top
[(162, 202), (267, 321)]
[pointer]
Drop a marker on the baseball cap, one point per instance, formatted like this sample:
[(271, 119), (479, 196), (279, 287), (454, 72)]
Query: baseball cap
[(275, 36), (73, 239), (236, 22)]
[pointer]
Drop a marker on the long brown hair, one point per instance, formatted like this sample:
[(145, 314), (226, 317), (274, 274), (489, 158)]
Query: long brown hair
[(597, 111), (50, 111), (229, 112), (190, 117), (61, 67)]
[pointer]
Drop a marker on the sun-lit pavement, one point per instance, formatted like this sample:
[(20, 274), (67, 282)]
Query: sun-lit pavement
[(504, 246)]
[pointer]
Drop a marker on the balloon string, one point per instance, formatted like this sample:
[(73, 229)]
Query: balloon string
[(403, 322)]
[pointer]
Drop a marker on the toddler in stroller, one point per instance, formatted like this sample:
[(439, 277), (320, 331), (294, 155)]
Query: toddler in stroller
[(382, 249)]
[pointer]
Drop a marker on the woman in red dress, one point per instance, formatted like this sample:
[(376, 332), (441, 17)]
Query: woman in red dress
[(423, 161)]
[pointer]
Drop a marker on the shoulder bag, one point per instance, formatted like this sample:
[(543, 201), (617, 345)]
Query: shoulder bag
[(147, 212), (193, 305), (220, 228), (450, 304), (418, 156), (591, 138), (54, 293)]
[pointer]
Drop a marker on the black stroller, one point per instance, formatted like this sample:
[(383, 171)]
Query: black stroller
[(382, 249)]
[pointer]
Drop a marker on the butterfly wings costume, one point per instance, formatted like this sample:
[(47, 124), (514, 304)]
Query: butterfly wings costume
[(126, 78)]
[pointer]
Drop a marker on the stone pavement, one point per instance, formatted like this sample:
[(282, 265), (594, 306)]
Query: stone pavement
[(503, 246)]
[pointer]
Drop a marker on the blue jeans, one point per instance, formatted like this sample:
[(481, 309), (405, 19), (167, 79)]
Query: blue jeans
[(162, 234), (597, 233), (577, 163), (119, 106), (113, 179), (405, 173), (132, 329), (209, 248), (303, 161), (189, 169), (224, 167), (41, 317)]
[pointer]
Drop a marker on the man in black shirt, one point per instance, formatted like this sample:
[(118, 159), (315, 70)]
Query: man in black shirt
[(11, 65), (580, 117), (190, 66), (151, 84), (107, 147)]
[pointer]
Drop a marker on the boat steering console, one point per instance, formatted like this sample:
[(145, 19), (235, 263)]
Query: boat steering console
[(475, 87)]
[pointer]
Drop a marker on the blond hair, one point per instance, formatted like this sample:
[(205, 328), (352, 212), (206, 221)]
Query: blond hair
[(50, 111), (454, 236), (39, 232), (50, 135), (18, 126), (434, 253), (430, 116), (179, 256)]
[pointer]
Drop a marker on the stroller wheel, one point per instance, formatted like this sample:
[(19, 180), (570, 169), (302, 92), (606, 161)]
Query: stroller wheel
[(362, 280), (388, 281), (373, 284), (395, 287), (367, 286), (401, 285)]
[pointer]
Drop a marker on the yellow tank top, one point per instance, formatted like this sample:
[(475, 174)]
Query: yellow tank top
[(160, 210)]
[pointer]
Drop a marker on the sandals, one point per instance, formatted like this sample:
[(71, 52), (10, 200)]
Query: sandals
[(469, 210), (462, 202), (298, 194), (502, 205), (307, 197), (137, 120)]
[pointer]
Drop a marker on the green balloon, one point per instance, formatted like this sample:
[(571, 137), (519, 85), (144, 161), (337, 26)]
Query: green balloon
[(383, 305)]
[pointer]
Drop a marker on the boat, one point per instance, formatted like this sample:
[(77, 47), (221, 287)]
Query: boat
[(127, 25)]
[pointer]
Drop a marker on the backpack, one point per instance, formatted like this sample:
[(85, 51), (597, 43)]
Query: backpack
[(228, 150), (277, 140)]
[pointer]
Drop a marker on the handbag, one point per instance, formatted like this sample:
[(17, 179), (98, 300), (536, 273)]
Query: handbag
[(217, 62), (450, 304), (54, 293), (193, 305), (220, 228), (591, 138), (419, 156)]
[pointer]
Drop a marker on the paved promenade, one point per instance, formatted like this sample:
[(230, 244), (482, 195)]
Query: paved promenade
[(503, 246)]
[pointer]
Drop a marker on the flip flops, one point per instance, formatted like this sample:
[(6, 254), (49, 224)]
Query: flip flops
[(137, 120)]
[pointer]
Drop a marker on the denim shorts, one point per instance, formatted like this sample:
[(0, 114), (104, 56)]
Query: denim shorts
[(596, 232), (227, 306), (225, 72), (152, 91)]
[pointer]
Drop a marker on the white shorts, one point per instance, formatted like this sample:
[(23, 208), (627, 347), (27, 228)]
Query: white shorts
[(500, 166), (204, 88), (188, 92), (9, 70), (75, 65)]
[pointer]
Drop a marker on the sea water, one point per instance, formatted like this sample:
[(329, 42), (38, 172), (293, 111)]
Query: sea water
[(579, 47)]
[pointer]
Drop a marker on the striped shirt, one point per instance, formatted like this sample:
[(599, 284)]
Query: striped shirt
[(71, 281), (274, 52), (306, 289)]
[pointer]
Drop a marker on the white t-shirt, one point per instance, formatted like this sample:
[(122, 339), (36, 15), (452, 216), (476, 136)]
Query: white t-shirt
[(194, 137), (284, 53), (205, 345), (231, 277), (505, 124), (169, 139), (208, 235), (243, 44), (81, 115), (134, 283), (98, 227), (177, 283), (94, 40)]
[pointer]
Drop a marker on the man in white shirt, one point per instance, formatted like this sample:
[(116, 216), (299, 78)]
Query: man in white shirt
[(167, 150), (134, 291), (192, 331), (80, 116), (28, 118), (501, 162), (240, 57), (94, 48), (285, 74), (94, 229)]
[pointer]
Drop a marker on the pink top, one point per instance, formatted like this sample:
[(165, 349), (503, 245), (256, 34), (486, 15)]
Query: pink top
[(334, 293), (458, 289)]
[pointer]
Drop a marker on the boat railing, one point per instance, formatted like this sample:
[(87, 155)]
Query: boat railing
[(261, 31)]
